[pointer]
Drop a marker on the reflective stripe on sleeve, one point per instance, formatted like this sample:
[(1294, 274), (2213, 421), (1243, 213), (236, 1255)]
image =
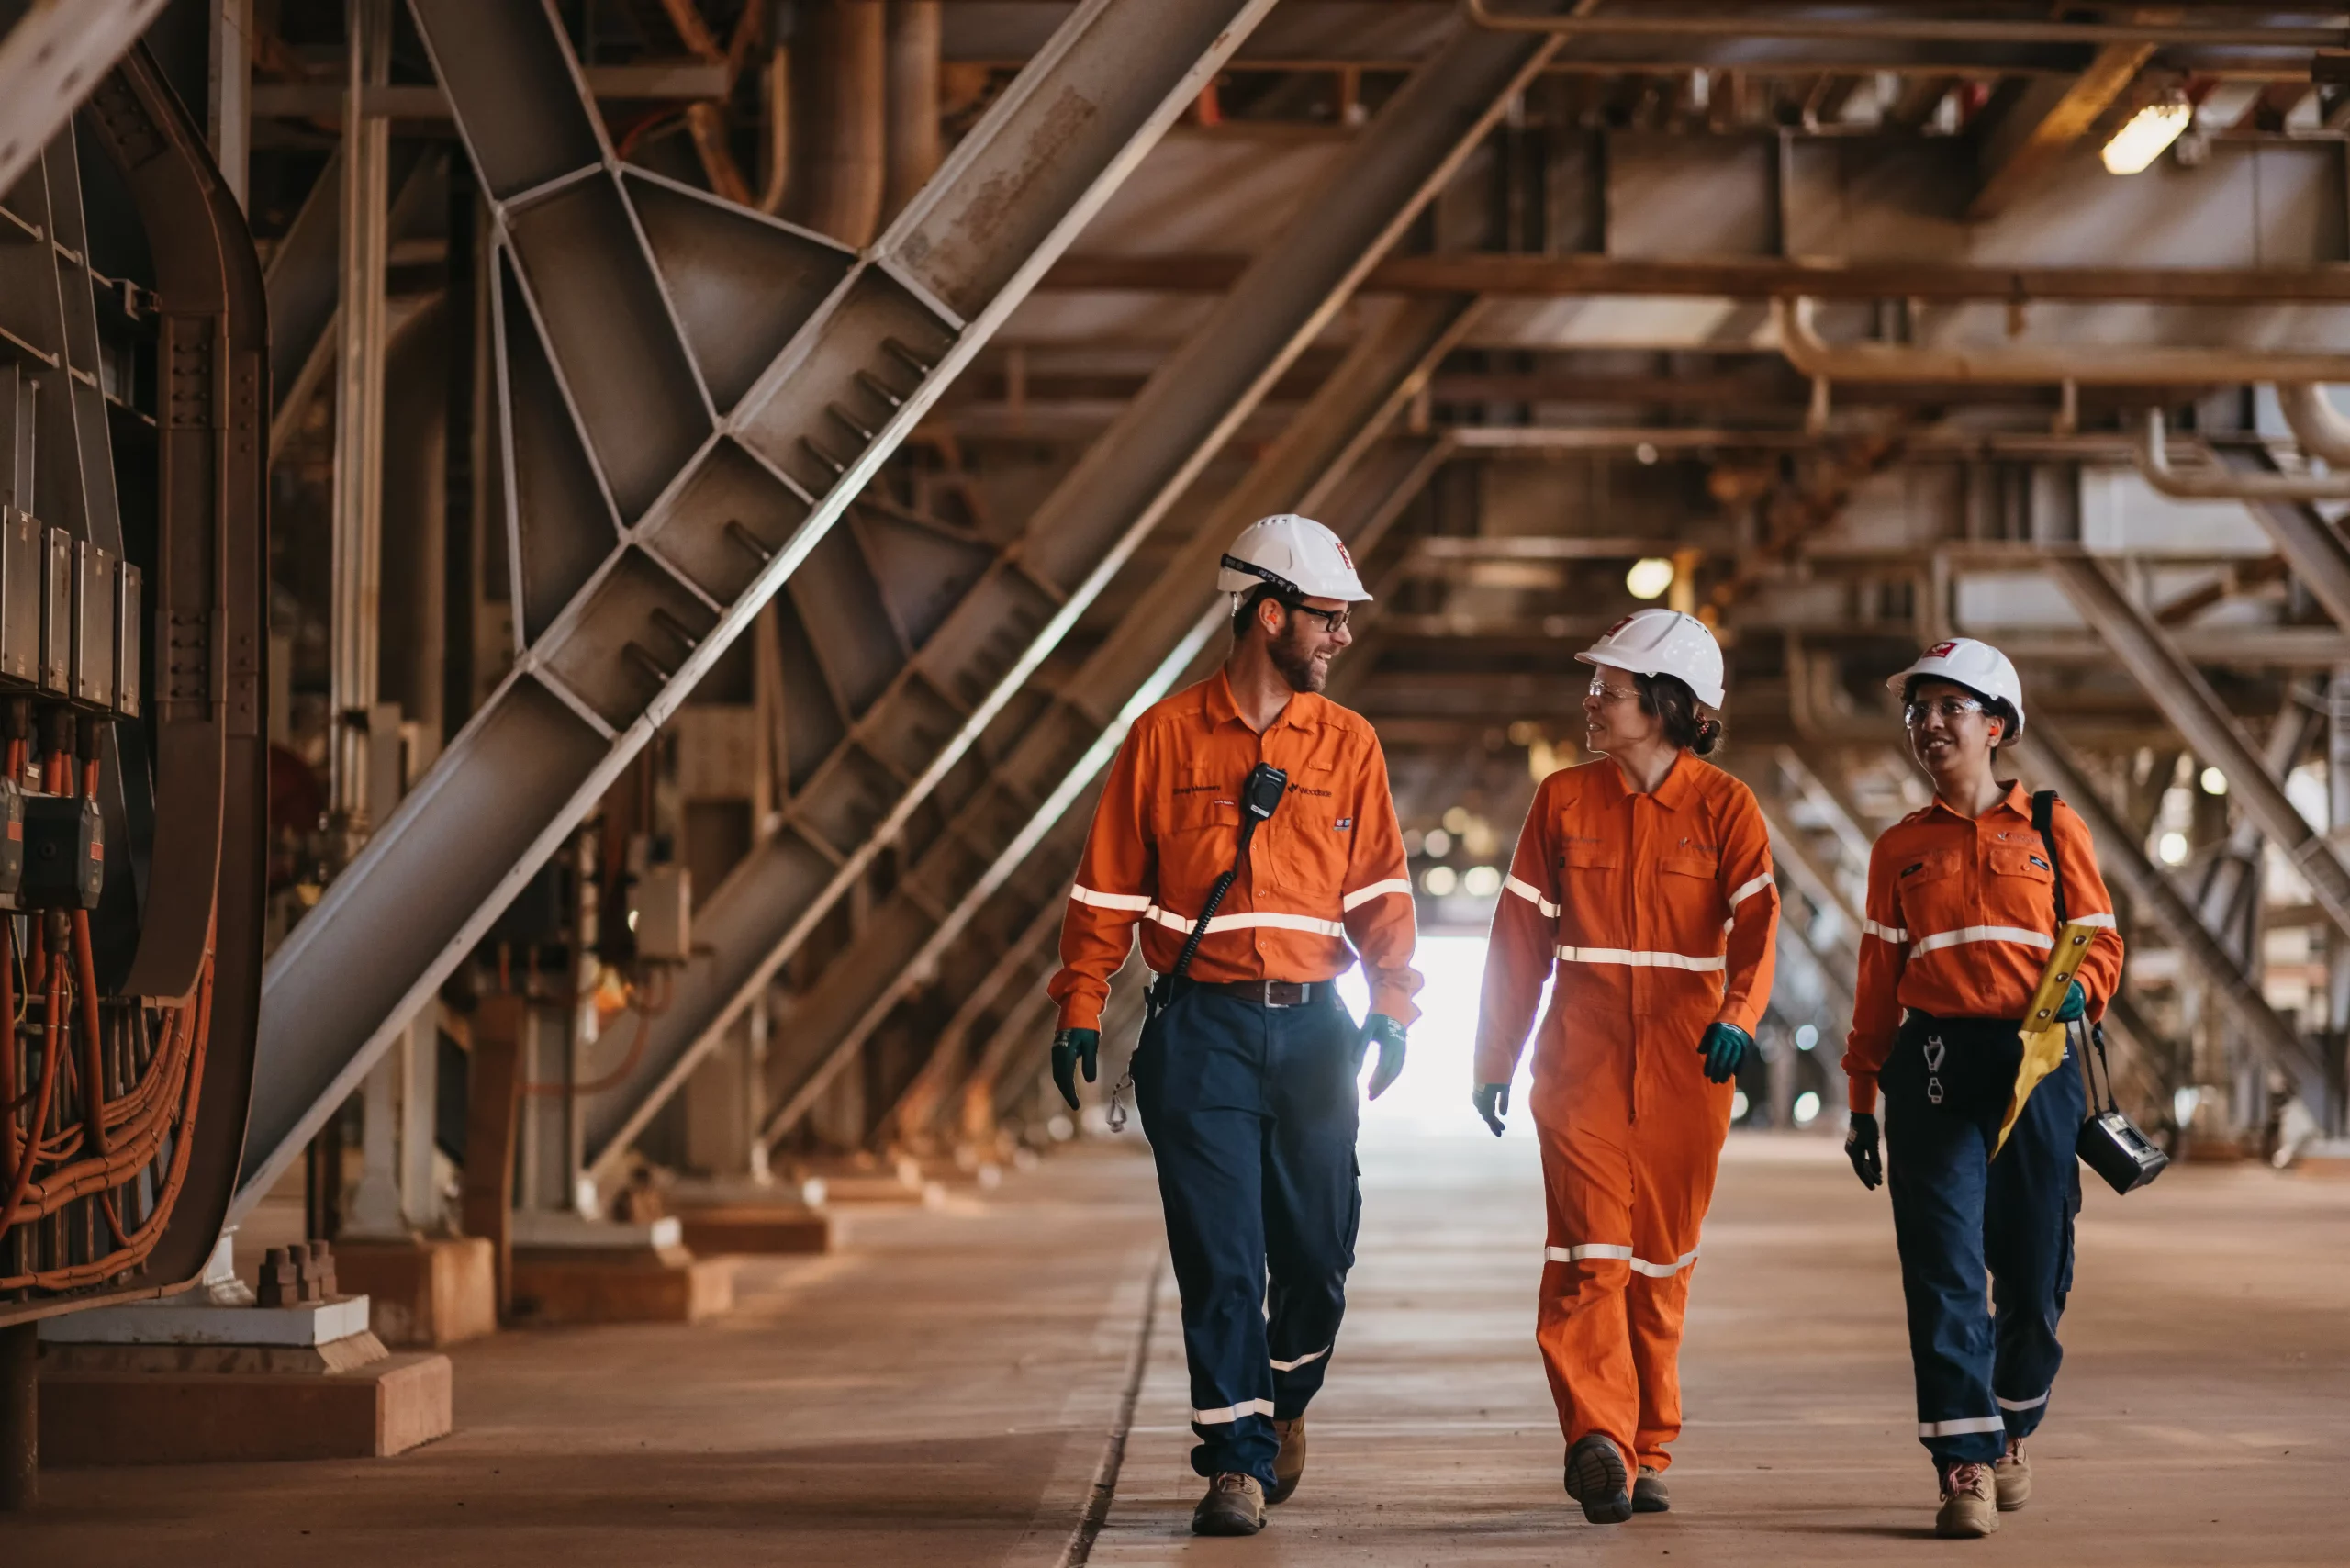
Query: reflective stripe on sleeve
[(1893, 933), (1527, 891), (1139, 902), (1361, 896), (2102, 921), (1694, 965), (1752, 887), (1258, 920), (1966, 934), (1233, 1412), (1961, 1428), (1307, 1359)]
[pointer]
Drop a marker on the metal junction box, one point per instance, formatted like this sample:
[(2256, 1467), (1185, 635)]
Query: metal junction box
[(64, 853), (660, 914), (21, 569), (93, 626), (129, 608), (56, 673)]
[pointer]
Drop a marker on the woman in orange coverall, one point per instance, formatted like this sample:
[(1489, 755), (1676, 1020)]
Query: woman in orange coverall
[(1645, 878)]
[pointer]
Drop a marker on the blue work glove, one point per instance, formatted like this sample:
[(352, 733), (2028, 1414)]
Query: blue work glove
[(1491, 1101), (1070, 1048), (2076, 1004), (1388, 1034), (1861, 1148), (1724, 1046)]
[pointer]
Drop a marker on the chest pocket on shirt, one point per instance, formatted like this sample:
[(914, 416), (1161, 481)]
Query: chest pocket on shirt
[(2021, 889), (1690, 888), (1199, 805), (1302, 851), (1933, 893), (1591, 895)]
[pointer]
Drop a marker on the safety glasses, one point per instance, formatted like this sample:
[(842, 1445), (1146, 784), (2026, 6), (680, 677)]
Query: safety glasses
[(1608, 694), (1951, 709), (1332, 620)]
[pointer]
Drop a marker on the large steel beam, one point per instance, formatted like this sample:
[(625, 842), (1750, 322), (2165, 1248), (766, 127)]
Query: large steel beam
[(2194, 709), (2155, 899), (694, 395), (1124, 484), (50, 59)]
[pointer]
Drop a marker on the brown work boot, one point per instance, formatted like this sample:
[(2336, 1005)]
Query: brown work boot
[(1235, 1505), (1968, 1509), (1289, 1465), (2011, 1477), (1597, 1479), (1649, 1493)]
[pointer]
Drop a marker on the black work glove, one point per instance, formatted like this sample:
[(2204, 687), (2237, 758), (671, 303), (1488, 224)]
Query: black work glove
[(2076, 1004), (1491, 1101), (1861, 1148), (1388, 1034), (1724, 1046), (1070, 1048)]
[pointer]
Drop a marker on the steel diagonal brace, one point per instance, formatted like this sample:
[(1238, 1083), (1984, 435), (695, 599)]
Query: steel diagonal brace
[(2195, 711), (701, 438), (1096, 517), (2121, 855), (57, 52)]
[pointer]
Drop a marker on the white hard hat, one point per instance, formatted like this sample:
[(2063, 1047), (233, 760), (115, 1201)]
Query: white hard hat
[(1664, 641), (1294, 554), (1978, 667)]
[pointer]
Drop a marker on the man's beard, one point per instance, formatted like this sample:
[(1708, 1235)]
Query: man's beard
[(1295, 661)]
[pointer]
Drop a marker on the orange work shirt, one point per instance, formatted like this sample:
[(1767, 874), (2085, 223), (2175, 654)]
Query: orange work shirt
[(1657, 909), (1326, 879), (1962, 917)]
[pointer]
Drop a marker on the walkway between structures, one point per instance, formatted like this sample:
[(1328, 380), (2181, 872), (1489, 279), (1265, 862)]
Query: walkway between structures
[(938, 1395)]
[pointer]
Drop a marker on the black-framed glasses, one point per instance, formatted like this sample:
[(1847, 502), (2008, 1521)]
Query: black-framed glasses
[(1951, 709), (1332, 620)]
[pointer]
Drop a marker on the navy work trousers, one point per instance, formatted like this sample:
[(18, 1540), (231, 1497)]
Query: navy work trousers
[(1983, 1372), (1251, 1115)]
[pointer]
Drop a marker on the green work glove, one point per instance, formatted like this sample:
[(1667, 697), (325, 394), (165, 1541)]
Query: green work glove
[(1861, 1148), (1724, 1046), (1070, 1048), (1491, 1101), (1388, 1034), (2076, 1004)]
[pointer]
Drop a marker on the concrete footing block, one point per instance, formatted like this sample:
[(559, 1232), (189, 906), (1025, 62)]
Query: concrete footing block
[(93, 1416), (751, 1228), (426, 1291), (669, 1284)]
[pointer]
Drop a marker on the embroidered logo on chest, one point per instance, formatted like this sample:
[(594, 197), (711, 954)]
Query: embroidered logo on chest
[(1342, 825)]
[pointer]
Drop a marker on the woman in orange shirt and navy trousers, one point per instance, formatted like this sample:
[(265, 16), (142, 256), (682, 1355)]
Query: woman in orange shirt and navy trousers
[(1962, 901), (1644, 881)]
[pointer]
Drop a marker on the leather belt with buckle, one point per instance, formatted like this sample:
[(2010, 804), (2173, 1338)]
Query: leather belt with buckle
[(1268, 993)]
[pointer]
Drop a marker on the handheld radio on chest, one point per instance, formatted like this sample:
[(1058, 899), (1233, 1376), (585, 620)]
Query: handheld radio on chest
[(1258, 795)]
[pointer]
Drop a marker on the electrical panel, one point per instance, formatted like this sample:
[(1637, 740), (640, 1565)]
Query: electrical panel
[(660, 914)]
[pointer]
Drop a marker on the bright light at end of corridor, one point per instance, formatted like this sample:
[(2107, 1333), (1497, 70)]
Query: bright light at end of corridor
[(2141, 140), (1441, 1067), (1648, 578)]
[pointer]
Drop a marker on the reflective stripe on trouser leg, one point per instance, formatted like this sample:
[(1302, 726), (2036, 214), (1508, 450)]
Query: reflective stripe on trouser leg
[(2033, 1193), (1581, 1324), (1250, 1116), (1938, 1172)]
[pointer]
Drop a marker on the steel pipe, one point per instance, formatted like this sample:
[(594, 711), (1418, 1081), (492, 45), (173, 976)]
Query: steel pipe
[(1752, 24), (2321, 428), (839, 62), (2217, 483), (2049, 364)]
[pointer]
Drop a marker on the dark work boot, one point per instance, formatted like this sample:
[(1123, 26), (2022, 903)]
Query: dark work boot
[(1597, 1479), (1289, 1465), (1649, 1493), (1234, 1504)]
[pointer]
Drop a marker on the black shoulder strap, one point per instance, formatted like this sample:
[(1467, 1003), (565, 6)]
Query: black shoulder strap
[(2043, 818)]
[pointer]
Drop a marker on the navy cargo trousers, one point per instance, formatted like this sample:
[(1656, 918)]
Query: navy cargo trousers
[(1251, 1115), (1983, 1373)]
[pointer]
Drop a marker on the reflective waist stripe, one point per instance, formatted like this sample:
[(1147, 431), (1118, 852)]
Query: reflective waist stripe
[(1966, 934), (1961, 1428), (1715, 965), (1361, 896), (1140, 903), (1233, 1412), (1307, 1360), (1893, 933), (1526, 890), (1581, 1250)]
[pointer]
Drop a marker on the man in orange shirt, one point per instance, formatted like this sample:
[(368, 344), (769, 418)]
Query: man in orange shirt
[(1245, 1073), (1962, 913), (1643, 881)]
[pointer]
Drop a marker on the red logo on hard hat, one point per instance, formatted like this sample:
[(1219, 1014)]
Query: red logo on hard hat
[(1621, 624), (1344, 559), (1941, 650)]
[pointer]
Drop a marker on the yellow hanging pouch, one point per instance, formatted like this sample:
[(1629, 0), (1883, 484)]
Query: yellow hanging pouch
[(2044, 1036)]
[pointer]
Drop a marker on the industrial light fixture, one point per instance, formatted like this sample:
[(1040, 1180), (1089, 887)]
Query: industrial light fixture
[(1648, 578), (2171, 849), (2214, 782), (2144, 137)]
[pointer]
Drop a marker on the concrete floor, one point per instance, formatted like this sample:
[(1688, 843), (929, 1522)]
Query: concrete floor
[(939, 1394)]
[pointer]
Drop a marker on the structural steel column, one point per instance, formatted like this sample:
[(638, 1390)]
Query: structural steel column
[(2155, 899), (2195, 711), (694, 395), (1121, 486)]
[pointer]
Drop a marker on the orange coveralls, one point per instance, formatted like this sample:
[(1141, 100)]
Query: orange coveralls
[(1961, 921), (1659, 916), (1328, 867)]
